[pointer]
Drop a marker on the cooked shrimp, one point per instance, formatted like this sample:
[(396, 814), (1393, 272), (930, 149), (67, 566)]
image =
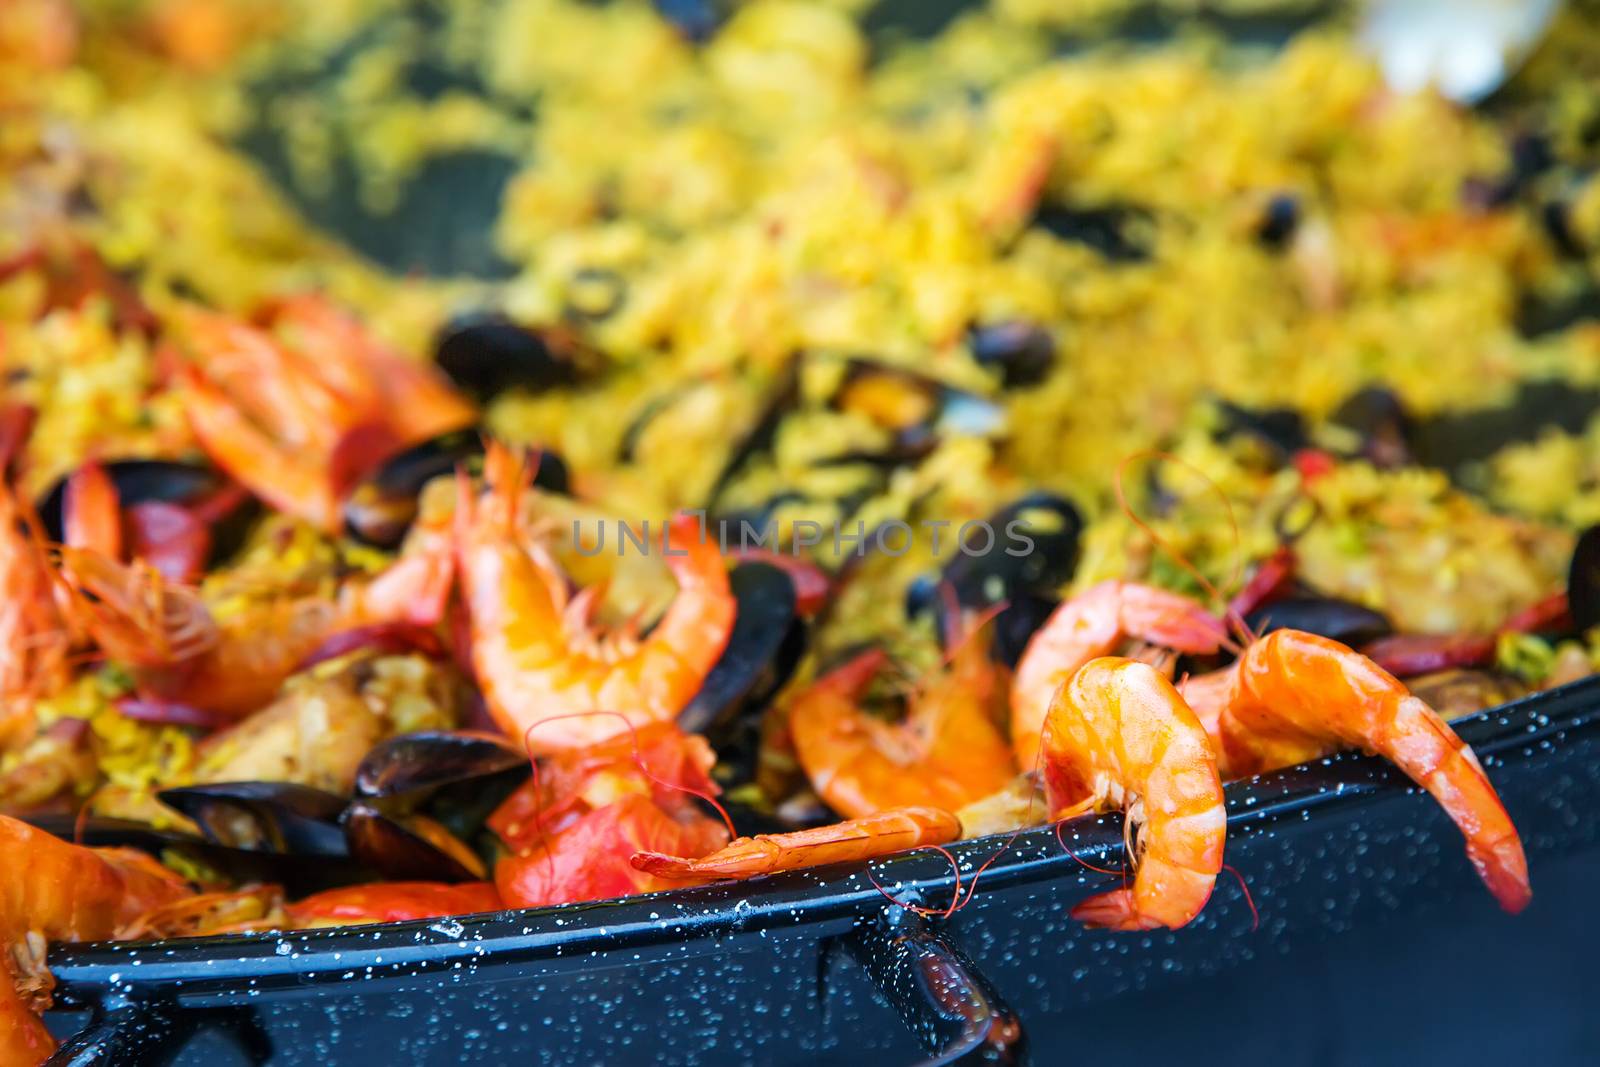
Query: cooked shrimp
[(1093, 624), (34, 641), (55, 891), (232, 664), (880, 834), (1295, 696), (537, 658), (298, 422), (1118, 734), (577, 823), (91, 511), (948, 752)]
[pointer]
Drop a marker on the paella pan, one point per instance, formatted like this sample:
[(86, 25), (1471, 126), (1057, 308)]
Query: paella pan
[(832, 443)]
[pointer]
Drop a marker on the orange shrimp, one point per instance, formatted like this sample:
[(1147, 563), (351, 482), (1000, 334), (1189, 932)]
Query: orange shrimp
[(1118, 734), (1295, 696), (179, 651), (537, 660), (1093, 624), (880, 834), (91, 511), (34, 642), (948, 752), (577, 823), (391, 902), (55, 891), (298, 422)]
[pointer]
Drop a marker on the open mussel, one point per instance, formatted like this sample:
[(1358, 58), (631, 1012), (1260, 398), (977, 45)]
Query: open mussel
[(422, 800), (768, 639), (205, 491), (409, 848), (279, 817), (382, 506), (918, 409), (486, 354)]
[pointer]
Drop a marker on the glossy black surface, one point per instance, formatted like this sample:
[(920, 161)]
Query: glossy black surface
[(730, 973)]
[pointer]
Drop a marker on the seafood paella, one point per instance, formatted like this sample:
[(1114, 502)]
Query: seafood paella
[(844, 441)]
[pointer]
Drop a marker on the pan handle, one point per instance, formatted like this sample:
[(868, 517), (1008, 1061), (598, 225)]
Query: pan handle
[(121, 1031), (149, 1032), (954, 1011)]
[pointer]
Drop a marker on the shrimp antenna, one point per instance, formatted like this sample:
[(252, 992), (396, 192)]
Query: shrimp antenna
[(1255, 916), (918, 909), (1171, 550), (1081, 861)]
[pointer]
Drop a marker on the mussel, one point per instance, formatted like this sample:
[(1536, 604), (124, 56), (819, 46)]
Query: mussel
[(1111, 230), (768, 639), (487, 354), (1583, 580), (409, 848), (1341, 620), (1022, 352), (1281, 430), (915, 407), (422, 799), (147, 481), (299, 874), (1033, 552), (381, 507), (279, 817), (1379, 420)]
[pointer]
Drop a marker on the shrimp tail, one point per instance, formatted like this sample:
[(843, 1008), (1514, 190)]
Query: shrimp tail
[(1429, 752)]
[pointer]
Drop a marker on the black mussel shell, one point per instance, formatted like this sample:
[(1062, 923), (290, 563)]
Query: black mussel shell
[(1341, 620), (264, 816), (1022, 352), (415, 766), (487, 354), (1583, 580), (1278, 221), (767, 641), (1379, 418), (781, 400), (1015, 626), (300, 874), (1110, 230), (392, 849), (1035, 546), (1283, 430), (1452, 440), (141, 481), (383, 505)]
